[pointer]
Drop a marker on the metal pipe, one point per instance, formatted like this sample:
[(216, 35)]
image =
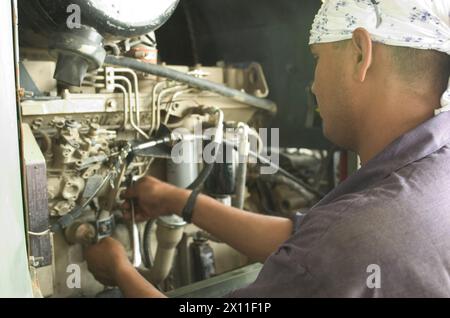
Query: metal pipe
[(174, 97), (168, 236), (153, 110), (166, 72), (130, 88), (125, 106), (137, 257), (241, 173), (161, 94), (136, 88)]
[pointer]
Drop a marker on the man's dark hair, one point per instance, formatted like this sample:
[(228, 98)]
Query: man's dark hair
[(415, 65)]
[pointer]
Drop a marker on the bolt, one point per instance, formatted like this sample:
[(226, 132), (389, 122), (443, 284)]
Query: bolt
[(111, 104), (104, 228)]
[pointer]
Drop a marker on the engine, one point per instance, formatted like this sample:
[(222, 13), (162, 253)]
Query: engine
[(82, 117)]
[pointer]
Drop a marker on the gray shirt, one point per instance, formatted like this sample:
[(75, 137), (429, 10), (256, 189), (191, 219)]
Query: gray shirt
[(384, 232)]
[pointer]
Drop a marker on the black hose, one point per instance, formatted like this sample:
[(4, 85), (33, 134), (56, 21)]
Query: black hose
[(202, 176), (206, 171), (199, 83), (280, 170), (288, 175)]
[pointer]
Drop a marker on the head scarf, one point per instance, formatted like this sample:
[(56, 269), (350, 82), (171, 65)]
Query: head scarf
[(420, 24)]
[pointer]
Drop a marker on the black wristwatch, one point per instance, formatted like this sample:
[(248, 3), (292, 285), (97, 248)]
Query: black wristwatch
[(188, 209)]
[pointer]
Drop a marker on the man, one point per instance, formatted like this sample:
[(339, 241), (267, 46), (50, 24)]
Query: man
[(382, 85)]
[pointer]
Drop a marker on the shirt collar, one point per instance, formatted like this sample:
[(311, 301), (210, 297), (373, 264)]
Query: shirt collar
[(416, 144)]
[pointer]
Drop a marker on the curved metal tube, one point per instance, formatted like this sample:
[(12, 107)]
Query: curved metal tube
[(136, 89), (165, 92), (166, 72), (126, 102), (153, 110), (130, 89)]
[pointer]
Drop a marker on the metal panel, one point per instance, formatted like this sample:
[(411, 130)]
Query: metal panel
[(36, 199), (14, 274), (220, 285)]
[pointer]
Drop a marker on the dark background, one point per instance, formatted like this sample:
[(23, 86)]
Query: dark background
[(272, 33)]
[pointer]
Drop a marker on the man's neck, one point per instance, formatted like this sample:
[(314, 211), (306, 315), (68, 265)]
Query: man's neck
[(388, 119)]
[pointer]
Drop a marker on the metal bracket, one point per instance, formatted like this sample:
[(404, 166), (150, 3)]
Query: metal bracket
[(105, 227)]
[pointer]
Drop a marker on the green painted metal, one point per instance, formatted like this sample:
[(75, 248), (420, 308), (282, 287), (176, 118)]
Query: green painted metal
[(220, 285), (14, 274)]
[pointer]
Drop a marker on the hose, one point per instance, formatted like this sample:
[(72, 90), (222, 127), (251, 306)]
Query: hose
[(199, 83), (287, 174), (280, 170), (216, 142)]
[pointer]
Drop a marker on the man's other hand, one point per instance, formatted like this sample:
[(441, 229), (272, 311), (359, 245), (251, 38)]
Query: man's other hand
[(106, 260)]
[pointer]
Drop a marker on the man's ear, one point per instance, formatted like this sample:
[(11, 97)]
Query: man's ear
[(362, 49)]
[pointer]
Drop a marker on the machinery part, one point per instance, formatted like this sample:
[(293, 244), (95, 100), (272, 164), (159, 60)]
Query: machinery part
[(80, 233), (286, 196), (162, 71), (241, 173), (26, 82), (280, 170), (105, 225), (286, 174), (295, 203), (135, 242), (185, 170), (224, 199), (203, 257), (78, 51), (215, 144), (222, 180), (219, 286), (68, 219), (80, 147), (247, 75), (147, 255), (37, 205), (168, 233), (111, 18)]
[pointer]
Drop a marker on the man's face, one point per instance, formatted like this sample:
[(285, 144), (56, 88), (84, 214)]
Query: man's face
[(332, 84)]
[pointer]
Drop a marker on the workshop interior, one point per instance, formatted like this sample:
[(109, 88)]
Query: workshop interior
[(111, 91)]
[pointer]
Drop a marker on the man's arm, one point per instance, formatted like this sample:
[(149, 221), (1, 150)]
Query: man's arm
[(133, 285), (254, 235)]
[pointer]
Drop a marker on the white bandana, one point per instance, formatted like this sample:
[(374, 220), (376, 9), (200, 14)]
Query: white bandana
[(420, 24)]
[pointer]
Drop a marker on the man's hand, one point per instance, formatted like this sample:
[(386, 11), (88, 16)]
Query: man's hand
[(106, 260), (109, 263), (152, 199)]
